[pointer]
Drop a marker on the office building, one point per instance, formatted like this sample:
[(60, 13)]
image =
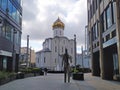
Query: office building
[(104, 42), (10, 34)]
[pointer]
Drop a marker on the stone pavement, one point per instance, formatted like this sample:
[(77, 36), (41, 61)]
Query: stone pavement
[(56, 82)]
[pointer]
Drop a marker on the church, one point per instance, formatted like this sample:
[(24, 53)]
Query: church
[(50, 56)]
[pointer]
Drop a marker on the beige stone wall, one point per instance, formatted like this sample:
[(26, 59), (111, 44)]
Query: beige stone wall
[(24, 50)]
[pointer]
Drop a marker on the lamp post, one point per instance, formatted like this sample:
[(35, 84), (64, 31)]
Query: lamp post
[(30, 57), (14, 51), (27, 61), (82, 56), (75, 47)]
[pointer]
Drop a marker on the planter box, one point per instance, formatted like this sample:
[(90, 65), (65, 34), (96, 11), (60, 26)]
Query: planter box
[(41, 73), (6, 80), (78, 76), (20, 75)]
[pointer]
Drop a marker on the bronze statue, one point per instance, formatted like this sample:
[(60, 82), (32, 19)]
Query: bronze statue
[(66, 64)]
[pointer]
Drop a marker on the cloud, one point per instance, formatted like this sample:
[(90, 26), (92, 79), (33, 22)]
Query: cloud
[(39, 15)]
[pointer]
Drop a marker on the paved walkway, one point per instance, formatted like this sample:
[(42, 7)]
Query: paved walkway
[(55, 82)]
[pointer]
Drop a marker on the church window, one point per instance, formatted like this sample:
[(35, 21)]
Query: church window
[(55, 49), (55, 60), (56, 32), (44, 60), (64, 41), (38, 60), (60, 32), (62, 49), (71, 50)]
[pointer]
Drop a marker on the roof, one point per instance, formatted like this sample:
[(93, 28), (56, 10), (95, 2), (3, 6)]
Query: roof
[(58, 24)]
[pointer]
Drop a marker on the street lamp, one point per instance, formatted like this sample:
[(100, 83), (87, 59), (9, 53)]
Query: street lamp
[(30, 56), (14, 52), (82, 56), (75, 47), (27, 64)]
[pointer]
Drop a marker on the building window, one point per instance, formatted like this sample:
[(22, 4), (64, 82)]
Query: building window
[(38, 60), (18, 17), (107, 37), (60, 32), (55, 60), (10, 8), (55, 49), (114, 12), (116, 65), (4, 63), (97, 43), (108, 17), (8, 32), (62, 49), (113, 33), (14, 13), (4, 4), (44, 60), (102, 22), (3, 30), (71, 50), (96, 30)]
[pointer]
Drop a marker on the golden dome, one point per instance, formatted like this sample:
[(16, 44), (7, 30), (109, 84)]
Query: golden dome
[(58, 24)]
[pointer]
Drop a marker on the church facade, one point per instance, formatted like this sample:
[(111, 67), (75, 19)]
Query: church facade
[(50, 56)]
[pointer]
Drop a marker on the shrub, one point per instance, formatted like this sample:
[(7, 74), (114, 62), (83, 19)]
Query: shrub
[(26, 70), (75, 70), (36, 70), (4, 75)]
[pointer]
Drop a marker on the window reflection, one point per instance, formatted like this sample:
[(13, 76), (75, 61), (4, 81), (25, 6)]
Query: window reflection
[(14, 13), (108, 16), (114, 12), (4, 4), (10, 8), (8, 32)]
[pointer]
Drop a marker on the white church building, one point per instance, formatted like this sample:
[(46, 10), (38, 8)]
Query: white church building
[(50, 56)]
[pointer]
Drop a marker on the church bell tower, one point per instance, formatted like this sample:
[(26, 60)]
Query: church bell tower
[(58, 28)]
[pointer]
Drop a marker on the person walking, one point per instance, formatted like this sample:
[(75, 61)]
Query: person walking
[(66, 64), (45, 71)]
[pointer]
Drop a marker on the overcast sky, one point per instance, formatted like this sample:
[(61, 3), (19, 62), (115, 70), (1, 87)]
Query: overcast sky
[(39, 15)]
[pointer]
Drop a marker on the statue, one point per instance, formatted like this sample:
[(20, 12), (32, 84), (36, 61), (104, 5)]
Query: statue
[(66, 64)]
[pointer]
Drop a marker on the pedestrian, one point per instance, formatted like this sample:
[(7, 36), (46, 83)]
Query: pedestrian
[(66, 64), (45, 71)]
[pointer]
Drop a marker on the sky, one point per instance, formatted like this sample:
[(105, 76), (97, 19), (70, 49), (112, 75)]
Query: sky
[(39, 16)]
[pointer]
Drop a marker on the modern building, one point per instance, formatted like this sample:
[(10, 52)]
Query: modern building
[(104, 37), (10, 34), (53, 49), (30, 62)]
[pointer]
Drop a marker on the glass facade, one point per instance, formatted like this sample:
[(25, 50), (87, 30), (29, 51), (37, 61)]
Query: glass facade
[(95, 32), (8, 7), (116, 65), (108, 17), (114, 12), (10, 21), (7, 32)]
